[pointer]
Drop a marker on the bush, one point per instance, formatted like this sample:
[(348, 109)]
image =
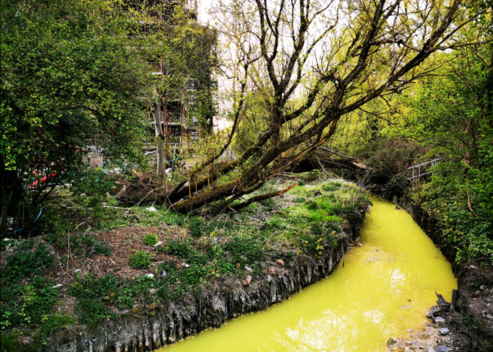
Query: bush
[(28, 259), (150, 239), (244, 250), (26, 304), (140, 260)]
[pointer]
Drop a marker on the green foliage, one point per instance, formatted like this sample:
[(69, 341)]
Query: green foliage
[(92, 294), (53, 323), (26, 297), (85, 245), (67, 82), (244, 250), (140, 260), (314, 223), (95, 296), (198, 227), (90, 190), (452, 117), (27, 260), (28, 304), (150, 239)]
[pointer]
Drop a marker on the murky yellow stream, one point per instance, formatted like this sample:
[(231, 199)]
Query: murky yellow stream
[(381, 290)]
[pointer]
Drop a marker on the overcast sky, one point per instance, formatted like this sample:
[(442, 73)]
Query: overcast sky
[(203, 10)]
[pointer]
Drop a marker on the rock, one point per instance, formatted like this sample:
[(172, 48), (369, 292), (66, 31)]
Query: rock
[(444, 331), (391, 341), (247, 281), (439, 320), (441, 348), (434, 311), (280, 262)]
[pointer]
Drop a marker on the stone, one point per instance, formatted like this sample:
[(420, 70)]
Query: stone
[(433, 312), (247, 281), (444, 331), (391, 341), (441, 348), (439, 320)]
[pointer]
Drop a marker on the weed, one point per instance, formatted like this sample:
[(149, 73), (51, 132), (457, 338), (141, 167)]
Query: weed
[(140, 260), (244, 250), (332, 186), (150, 239), (52, 323), (28, 259), (80, 244), (92, 296), (26, 305)]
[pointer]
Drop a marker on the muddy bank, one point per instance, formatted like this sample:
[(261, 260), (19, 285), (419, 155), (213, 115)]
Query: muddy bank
[(220, 301)]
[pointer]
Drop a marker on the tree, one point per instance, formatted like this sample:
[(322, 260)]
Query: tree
[(452, 117), (337, 56), (70, 78), (181, 52)]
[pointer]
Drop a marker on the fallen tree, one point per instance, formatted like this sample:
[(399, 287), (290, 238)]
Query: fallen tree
[(342, 55)]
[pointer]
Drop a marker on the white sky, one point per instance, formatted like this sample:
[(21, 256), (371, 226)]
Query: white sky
[(203, 10)]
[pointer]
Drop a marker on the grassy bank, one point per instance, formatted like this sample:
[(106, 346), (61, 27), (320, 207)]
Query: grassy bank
[(141, 258)]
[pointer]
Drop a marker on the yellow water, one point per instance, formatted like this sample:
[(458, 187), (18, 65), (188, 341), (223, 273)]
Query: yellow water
[(380, 290)]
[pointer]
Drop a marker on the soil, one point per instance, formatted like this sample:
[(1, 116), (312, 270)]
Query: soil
[(123, 243)]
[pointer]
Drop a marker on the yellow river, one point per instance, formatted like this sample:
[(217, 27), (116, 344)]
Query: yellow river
[(381, 289)]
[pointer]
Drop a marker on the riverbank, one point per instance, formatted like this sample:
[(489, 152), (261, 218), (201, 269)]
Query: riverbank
[(466, 323), (383, 288), (162, 277)]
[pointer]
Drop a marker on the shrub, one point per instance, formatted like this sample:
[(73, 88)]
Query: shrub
[(244, 250), (27, 304), (150, 239), (27, 260), (140, 260)]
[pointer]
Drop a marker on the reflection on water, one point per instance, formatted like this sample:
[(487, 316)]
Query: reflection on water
[(383, 289)]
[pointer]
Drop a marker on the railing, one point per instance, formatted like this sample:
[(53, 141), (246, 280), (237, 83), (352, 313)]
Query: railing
[(418, 171)]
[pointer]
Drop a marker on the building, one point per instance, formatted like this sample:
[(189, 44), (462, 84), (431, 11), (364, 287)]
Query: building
[(183, 110)]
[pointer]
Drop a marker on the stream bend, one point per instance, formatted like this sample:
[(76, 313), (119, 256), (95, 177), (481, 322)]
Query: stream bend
[(380, 289)]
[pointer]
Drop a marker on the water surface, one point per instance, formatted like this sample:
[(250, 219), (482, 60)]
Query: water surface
[(380, 290)]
